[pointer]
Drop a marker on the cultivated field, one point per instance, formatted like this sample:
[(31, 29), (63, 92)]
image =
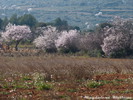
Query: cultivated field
[(58, 77)]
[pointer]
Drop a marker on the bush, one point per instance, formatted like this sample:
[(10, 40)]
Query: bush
[(51, 50), (94, 84), (43, 86), (95, 53), (68, 50), (121, 53)]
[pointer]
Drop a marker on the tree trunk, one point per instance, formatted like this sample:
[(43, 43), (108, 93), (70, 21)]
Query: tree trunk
[(16, 46)]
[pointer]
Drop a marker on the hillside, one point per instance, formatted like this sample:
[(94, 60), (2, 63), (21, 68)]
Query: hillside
[(81, 13)]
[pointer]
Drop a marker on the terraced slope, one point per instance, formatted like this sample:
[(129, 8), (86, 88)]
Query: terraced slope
[(76, 12)]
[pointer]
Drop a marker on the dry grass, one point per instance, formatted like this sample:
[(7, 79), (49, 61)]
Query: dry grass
[(58, 77), (57, 67)]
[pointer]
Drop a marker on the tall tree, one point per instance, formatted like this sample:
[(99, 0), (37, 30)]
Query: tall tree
[(60, 24), (5, 23), (27, 19), (14, 19), (1, 21)]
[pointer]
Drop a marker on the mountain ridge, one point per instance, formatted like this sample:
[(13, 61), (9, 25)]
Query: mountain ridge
[(82, 13)]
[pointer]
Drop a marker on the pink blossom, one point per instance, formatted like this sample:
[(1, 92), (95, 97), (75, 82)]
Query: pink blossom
[(67, 39), (118, 37), (47, 39), (16, 33)]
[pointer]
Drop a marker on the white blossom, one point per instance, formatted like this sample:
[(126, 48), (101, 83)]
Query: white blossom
[(53, 39), (16, 33), (118, 37), (47, 39), (67, 39)]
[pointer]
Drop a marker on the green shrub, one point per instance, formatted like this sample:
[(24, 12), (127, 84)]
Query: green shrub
[(94, 84), (70, 49), (43, 86), (119, 54), (95, 53)]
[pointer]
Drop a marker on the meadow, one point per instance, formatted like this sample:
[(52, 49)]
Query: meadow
[(64, 77)]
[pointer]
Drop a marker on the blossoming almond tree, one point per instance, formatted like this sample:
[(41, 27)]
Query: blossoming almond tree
[(51, 39), (16, 33), (68, 40), (46, 40), (118, 37)]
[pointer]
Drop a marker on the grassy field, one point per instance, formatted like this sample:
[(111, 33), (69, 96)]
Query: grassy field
[(58, 77)]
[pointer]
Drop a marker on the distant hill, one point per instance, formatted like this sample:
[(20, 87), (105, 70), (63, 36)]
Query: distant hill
[(82, 13)]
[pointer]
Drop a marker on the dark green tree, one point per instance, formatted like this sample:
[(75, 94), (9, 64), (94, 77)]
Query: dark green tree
[(41, 24), (27, 19), (57, 22), (4, 23), (14, 19), (1, 21), (60, 24)]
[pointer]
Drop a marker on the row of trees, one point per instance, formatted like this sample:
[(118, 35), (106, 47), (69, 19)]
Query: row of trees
[(26, 19), (52, 40), (113, 39), (32, 22)]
